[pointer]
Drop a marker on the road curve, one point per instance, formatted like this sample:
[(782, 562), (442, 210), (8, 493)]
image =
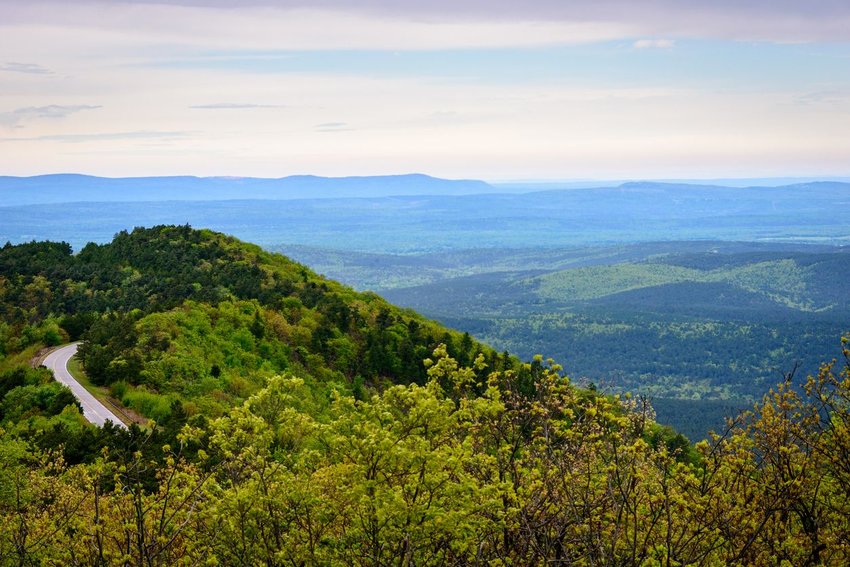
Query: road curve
[(93, 410)]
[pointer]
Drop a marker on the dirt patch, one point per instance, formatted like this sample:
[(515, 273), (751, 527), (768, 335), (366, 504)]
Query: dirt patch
[(37, 360), (128, 415)]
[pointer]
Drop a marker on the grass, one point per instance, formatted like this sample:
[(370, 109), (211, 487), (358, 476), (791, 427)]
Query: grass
[(17, 359), (781, 281), (125, 414), (599, 281)]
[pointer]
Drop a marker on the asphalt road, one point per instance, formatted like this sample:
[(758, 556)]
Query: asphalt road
[(93, 410)]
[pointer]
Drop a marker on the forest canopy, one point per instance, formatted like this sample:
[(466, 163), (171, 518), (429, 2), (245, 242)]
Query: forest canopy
[(297, 422)]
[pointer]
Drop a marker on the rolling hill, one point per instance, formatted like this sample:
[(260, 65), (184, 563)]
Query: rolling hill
[(295, 422), (689, 322)]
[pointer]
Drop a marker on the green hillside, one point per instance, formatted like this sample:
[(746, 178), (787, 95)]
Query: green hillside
[(687, 321), (298, 422), (783, 281), (599, 281), (174, 319)]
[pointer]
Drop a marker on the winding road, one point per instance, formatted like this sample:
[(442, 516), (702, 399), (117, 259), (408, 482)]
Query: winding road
[(93, 410)]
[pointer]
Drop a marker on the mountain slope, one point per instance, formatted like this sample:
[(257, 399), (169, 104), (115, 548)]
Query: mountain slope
[(693, 321), (172, 315), (486, 461)]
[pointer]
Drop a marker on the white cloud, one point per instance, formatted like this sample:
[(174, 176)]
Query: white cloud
[(332, 127), (833, 97), (155, 29), (233, 106), (53, 111), (103, 136), (492, 22), (654, 44), (29, 68), (394, 125)]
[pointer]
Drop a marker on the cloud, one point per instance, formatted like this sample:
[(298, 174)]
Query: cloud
[(332, 127), (16, 117), (772, 20), (233, 106), (833, 97), (29, 68), (437, 24), (104, 136), (654, 44), (149, 32)]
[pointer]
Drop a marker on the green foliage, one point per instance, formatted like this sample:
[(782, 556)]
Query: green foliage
[(175, 314), (154, 406), (684, 321), (530, 472), (782, 281), (599, 281), (31, 400), (297, 424)]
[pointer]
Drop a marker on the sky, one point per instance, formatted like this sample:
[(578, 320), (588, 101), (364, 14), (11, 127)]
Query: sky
[(489, 89)]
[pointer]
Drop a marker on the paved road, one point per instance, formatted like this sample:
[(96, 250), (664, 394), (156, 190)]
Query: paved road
[(93, 410)]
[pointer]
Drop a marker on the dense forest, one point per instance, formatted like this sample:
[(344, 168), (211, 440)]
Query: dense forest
[(173, 315), (295, 421), (687, 322)]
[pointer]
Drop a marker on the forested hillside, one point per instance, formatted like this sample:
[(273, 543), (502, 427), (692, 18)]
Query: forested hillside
[(298, 422), (174, 315), (681, 322)]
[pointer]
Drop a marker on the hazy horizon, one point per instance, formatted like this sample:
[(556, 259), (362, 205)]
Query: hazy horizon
[(527, 183)]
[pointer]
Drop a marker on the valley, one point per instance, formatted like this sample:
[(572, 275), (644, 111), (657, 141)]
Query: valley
[(689, 294), (703, 328)]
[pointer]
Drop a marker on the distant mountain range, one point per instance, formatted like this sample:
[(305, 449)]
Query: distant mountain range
[(544, 185), (70, 188), (76, 188), (428, 221)]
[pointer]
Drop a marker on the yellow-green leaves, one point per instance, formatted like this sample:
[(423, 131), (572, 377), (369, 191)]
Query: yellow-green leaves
[(531, 472)]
